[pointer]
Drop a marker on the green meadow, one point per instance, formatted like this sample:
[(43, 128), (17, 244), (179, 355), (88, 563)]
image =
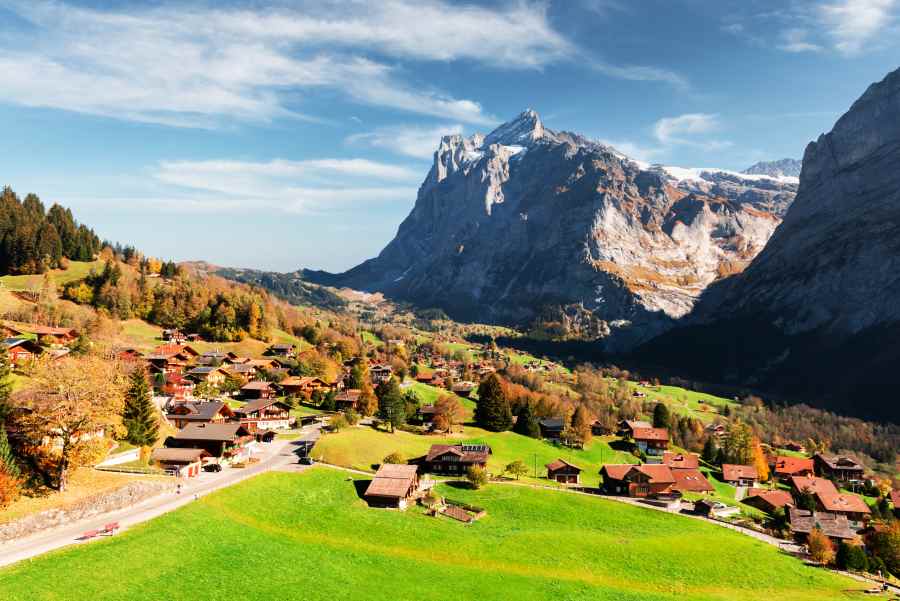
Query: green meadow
[(310, 536)]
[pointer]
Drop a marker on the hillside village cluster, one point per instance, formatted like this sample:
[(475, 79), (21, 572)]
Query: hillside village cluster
[(221, 405)]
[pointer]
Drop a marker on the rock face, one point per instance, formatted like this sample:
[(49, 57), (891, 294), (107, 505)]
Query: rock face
[(525, 222), (780, 168)]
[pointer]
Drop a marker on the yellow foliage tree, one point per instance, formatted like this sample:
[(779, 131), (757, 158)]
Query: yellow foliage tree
[(760, 462), (821, 549)]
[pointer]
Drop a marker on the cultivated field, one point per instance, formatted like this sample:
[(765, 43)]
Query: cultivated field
[(309, 536)]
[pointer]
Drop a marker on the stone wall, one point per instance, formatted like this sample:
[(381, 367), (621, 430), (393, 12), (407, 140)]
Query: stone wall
[(91, 506)]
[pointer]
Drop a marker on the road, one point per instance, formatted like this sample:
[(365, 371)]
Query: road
[(276, 455)]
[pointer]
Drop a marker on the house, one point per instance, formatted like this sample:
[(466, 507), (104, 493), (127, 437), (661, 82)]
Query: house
[(425, 414), (840, 469), (241, 372), (265, 414), (739, 475), (174, 336), (464, 389), (185, 350), (258, 390), (393, 486), (128, 355), (455, 459), (626, 427), (552, 428), (230, 441), (715, 509), (214, 376), (599, 428), (380, 373), (796, 447), (853, 507), (563, 472), (637, 480), (424, 376), (177, 386), (208, 412), (184, 463), (302, 386), (288, 351), (47, 334), (347, 399), (768, 501), (22, 350), (651, 441), (786, 467), (835, 527), (686, 461), (690, 480)]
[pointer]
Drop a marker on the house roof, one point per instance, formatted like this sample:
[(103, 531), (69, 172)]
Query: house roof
[(178, 455), (561, 463), (350, 394), (832, 525), (843, 502), (681, 460), (200, 412), (731, 472), (258, 404), (690, 480), (657, 473), (256, 385), (28, 343), (220, 432), (788, 466), (474, 453), (203, 370), (657, 434), (773, 498), (240, 368), (835, 462), (814, 485), (634, 424), (553, 423), (392, 480)]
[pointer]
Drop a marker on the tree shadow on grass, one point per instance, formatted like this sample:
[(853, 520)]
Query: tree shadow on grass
[(621, 445), (459, 484)]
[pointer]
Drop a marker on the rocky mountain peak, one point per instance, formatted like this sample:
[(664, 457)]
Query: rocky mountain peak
[(779, 168), (525, 129)]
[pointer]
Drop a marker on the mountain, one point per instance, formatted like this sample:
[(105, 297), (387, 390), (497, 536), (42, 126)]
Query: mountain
[(526, 223), (780, 168), (817, 312), (291, 287)]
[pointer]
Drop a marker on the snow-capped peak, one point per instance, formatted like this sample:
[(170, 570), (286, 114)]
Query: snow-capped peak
[(521, 131)]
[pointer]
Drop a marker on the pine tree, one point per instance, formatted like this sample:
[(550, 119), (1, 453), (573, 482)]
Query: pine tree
[(5, 383), (391, 404), (493, 411), (527, 423), (7, 459), (710, 450), (661, 416), (140, 413)]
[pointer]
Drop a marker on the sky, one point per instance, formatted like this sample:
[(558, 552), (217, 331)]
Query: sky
[(282, 135)]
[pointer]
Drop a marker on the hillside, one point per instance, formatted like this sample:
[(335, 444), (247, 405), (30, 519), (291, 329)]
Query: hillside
[(526, 224)]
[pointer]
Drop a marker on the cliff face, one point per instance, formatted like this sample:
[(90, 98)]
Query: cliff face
[(526, 222)]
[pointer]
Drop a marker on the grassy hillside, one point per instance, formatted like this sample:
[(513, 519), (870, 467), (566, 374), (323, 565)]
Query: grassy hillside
[(77, 270), (310, 536)]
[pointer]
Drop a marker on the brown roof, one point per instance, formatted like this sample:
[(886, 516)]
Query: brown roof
[(788, 466), (690, 480), (350, 394), (660, 434), (256, 385), (814, 485), (258, 404), (731, 473), (178, 455), (637, 424), (474, 453), (773, 499), (561, 463), (842, 502), (832, 525), (681, 460), (201, 412), (227, 432), (657, 473), (392, 480), (840, 462)]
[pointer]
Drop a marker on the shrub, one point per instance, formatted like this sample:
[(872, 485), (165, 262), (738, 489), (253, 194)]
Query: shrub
[(477, 476), (351, 416), (851, 557), (821, 550), (10, 488), (395, 458), (338, 423)]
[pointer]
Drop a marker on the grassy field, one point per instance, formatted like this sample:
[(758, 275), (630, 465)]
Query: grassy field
[(370, 338), (309, 536), (362, 447), (77, 270), (682, 401)]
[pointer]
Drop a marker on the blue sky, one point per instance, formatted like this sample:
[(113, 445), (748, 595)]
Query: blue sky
[(281, 135)]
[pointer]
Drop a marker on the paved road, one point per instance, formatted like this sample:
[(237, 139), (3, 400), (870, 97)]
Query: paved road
[(275, 455)]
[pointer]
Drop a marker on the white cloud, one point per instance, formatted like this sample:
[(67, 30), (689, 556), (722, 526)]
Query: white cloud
[(690, 129), (635, 150), (854, 23), (796, 40), (281, 185), (412, 141)]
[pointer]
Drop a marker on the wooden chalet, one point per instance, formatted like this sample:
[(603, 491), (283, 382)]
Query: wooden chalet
[(208, 412), (425, 414), (288, 351), (184, 463), (177, 386), (214, 376), (690, 480), (393, 486), (599, 428), (380, 373), (835, 527), (242, 372), (128, 355), (563, 472), (645, 480), (464, 389), (552, 428), (258, 390), (455, 459), (681, 460), (265, 414), (768, 501), (739, 475), (786, 467), (60, 336), (22, 350), (845, 470), (347, 399), (261, 365), (227, 441), (650, 441), (626, 427), (303, 386)]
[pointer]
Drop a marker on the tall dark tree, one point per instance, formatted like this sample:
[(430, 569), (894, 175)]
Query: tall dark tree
[(493, 411), (661, 416), (710, 450), (140, 414), (527, 423), (8, 461), (391, 403)]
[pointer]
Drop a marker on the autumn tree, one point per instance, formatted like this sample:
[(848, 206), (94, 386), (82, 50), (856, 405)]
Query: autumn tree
[(394, 458), (739, 443), (493, 411), (885, 545), (760, 462), (140, 414), (517, 468), (367, 403), (477, 476), (67, 405), (448, 412), (581, 424), (821, 549)]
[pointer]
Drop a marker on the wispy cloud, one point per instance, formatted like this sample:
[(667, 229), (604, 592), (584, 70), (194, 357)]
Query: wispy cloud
[(797, 40), (407, 140), (280, 185), (690, 129), (853, 24)]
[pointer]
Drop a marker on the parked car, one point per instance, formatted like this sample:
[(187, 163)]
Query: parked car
[(306, 460), (212, 467)]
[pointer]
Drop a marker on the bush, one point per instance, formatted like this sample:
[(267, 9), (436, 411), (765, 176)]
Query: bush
[(395, 458), (851, 557), (338, 422), (10, 488), (477, 476), (821, 550), (351, 416)]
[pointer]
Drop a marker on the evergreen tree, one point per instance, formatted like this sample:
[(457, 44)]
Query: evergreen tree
[(493, 411), (328, 403), (527, 423), (710, 450), (7, 459), (140, 414), (5, 383), (661, 416), (391, 403)]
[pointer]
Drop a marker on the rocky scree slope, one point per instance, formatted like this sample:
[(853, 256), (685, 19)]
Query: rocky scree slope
[(527, 223)]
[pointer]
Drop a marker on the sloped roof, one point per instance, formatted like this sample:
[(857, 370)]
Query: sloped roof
[(843, 502), (788, 466), (814, 485), (259, 404), (553, 423), (732, 472), (178, 455), (256, 385), (681, 460), (690, 480), (772, 498), (561, 463), (832, 525), (839, 462), (656, 473), (222, 432), (466, 453), (392, 480), (199, 411), (657, 434)]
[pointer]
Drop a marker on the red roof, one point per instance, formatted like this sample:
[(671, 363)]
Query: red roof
[(660, 434), (814, 485), (561, 463), (690, 480), (732, 473), (681, 460), (655, 472), (773, 498), (839, 502), (788, 466)]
